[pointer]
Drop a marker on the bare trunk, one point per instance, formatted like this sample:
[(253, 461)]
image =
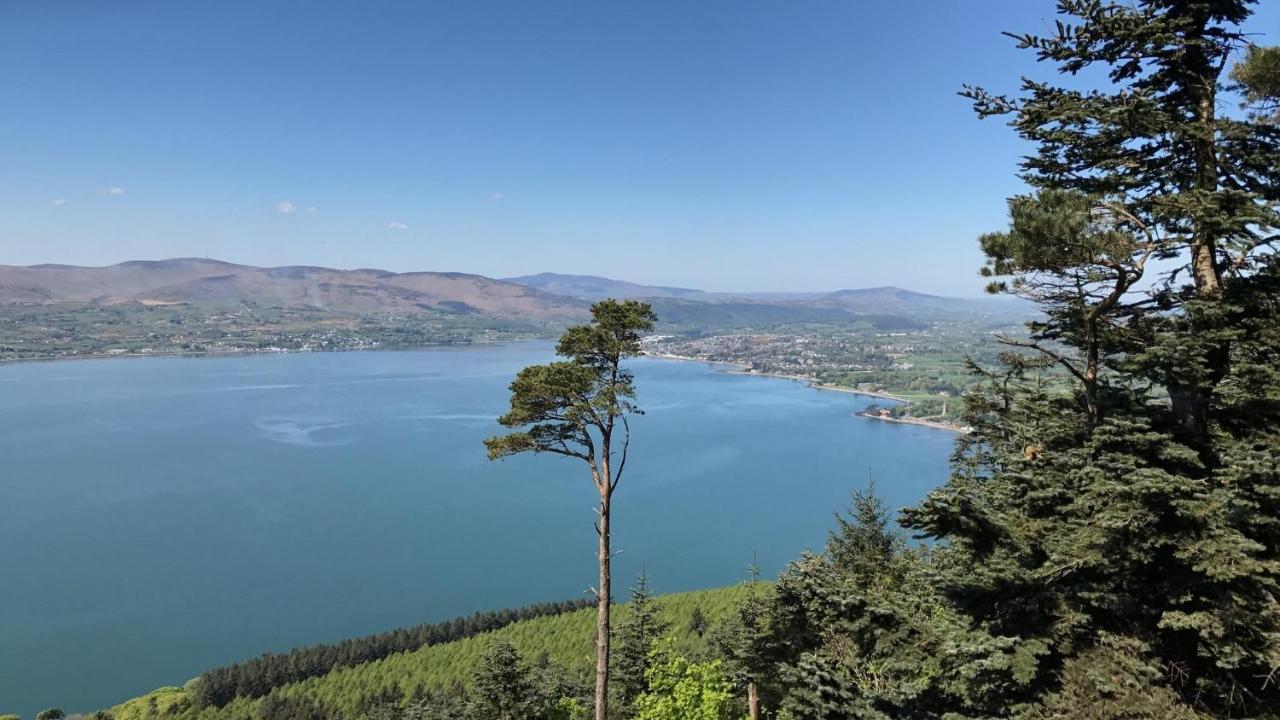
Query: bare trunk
[(1203, 87), (604, 598), (753, 701)]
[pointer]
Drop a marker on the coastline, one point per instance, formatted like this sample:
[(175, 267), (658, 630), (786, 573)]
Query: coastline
[(917, 421), (264, 351), (814, 383), (733, 369)]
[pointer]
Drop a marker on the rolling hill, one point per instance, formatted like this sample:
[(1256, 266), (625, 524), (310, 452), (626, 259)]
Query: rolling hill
[(732, 314), (592, 287), (727, 308), (197, 280)]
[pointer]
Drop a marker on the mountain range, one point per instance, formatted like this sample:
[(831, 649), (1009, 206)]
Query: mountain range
[(190, 280), (545, 296)]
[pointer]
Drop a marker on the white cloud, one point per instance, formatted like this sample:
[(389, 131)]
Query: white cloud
[(112, 191), (286, 207), (397, 226), (498, 196), (311, 209), (60, 201)]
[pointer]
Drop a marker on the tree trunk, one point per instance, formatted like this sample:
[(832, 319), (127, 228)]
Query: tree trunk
[(753, 701), (604, 598), (1093, 354), (1190, 402)]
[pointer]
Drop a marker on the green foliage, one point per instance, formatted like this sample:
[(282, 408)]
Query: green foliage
[(259, 676), (50, 714), (275, 707), (560, 404), (859, 631), (428, 681), (682, 690), (698, 623), (1116, 679), (1257, 76), (635, 638), (568, 709), (10, 717), (502, 688), (164, 701), (1112, 548)]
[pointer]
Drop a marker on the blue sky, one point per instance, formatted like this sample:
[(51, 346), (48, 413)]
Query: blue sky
[(729, 145)]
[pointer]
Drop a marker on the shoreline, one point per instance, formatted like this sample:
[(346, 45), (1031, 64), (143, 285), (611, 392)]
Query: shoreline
[(815, 384), (917, 421), (732, 369), (245, 353)]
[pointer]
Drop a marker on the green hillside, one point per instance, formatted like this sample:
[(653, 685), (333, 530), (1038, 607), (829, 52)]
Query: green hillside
[(566, 639)]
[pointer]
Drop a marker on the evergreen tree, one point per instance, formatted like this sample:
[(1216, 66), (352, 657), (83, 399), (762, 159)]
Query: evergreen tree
[(578, 408), (859, 632), (636, 637), (279, 707), (1125, 522), (740, 641), (698, 622), (502, 687)]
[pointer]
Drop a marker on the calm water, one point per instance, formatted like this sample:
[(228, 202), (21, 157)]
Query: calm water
[(161, 516)]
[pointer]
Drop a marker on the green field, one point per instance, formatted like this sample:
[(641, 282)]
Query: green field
[(567, 640)]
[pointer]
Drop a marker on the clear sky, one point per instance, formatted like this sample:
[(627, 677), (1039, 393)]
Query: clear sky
[(730, 145)]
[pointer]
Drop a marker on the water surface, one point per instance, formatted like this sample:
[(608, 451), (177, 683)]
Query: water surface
[(160, 516)]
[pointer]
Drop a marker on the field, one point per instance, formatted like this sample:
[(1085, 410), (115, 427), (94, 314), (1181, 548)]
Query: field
[(566, 639)]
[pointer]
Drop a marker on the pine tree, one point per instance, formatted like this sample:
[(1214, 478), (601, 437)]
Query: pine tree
[(578, 408)]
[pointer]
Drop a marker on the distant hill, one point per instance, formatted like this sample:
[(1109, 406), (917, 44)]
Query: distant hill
[(191, 280), (883, 299), (892, 303), (727, 314), (592, 287), (534, 298)]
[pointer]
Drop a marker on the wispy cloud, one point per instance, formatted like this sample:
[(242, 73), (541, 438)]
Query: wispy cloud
[(112, 191), (393, 225), (498, 196), (60, 201), (311, 209), (286, 207)]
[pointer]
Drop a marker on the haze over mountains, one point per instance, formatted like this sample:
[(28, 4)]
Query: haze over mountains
[(543, 296), (189, 280)]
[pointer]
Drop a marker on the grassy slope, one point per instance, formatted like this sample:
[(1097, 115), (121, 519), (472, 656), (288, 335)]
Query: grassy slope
[(566, 639)]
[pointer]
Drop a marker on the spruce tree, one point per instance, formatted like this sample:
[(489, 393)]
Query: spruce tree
[(636, 637), (741, 642), (502, 687)]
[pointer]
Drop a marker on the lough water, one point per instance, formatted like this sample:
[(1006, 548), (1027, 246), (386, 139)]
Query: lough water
[(160, 516)]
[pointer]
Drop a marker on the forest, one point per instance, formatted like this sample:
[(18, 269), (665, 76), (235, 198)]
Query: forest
[(1107, 546)]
